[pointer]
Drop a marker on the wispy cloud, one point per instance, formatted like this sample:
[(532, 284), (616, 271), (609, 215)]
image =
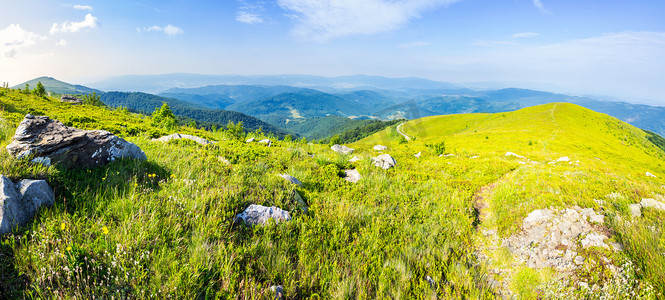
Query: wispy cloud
[(14, 37), (248, 18), (83, 7), (539, 4), (413, 45), (61, 43), (90, 21), (168, 29), (526, 34), (322, 20), (250, 13)]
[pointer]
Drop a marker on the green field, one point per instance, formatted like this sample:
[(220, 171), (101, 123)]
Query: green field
[(164, 228)]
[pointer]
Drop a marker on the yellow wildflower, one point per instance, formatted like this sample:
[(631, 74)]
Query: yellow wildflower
[(69, 248), (105, 230), (62, 226)]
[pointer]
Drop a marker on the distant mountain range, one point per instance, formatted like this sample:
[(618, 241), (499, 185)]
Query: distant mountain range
[(294, 103)]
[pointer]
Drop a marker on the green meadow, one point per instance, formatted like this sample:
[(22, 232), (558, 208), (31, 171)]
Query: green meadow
[(164, 227)]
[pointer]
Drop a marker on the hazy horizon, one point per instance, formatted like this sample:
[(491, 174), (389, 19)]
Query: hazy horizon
[(595, 48)]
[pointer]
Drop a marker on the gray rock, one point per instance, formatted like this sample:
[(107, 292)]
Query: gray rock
[(384, 161), (579, 260), (380, 148), (354, 159), (341, 149), (290, 178), (300, 201), (266, 141), (652, 203), (536, 217), (71, 99), (599, 219), (249, 140), (635, 209), (259, 215), (19, 203), (50, 140), (352, 175), (594, 239), (278, 290), (177, 136)]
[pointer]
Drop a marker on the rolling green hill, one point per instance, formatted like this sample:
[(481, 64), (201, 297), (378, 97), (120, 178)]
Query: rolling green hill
[(57, 86), (605, 169), (165, 227)]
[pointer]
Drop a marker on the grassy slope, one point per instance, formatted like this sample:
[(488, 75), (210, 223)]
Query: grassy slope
[(57, 86), (164, 228), (613, 158)]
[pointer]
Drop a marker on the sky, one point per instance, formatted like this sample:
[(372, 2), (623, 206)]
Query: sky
[(600, 47)]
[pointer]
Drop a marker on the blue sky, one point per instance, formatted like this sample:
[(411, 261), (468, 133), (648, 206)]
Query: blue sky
[(608, 47)]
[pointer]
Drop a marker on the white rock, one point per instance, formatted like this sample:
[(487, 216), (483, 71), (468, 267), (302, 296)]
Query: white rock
[(593, 239), (250, 140), (178, 136), (259, 215), (650, 175), (652, 203), (266, 141), (599, 219), (352, 175), (417, 155), (384, 161), (535, 217), (563, 158), (635, 209), (341, 149), (354, 159), (513, 154), (380, 148)]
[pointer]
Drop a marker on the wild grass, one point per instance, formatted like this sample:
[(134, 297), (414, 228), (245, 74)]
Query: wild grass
[(165, 227)]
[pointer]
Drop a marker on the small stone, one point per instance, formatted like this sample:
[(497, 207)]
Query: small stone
[(417, 155), (431, 281), (250, 140), (652, 203), (616, 246), (354, 159), (380, 148), (563, 159), (635, 209), (593, 239), (599, 219), (352, 175), (266, 141), (384, 161), (513, 154), (579, 260), (341, 149), (650, 175), (259, 215), (178, 136)]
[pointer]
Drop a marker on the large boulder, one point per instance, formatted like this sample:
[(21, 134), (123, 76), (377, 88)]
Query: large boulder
[(20, 202), (341, 149), (384, 161), (71, 99), (259, 215), (49, 141), (177, 136)]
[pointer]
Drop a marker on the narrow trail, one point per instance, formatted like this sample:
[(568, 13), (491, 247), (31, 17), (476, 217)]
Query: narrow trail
[(399, 130)]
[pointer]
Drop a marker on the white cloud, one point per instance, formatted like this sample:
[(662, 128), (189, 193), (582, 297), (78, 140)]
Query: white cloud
[(322, 20), (248, 18), (90, 21), (61, 43), (83, 7), (539, 4), (413, 45), (526, 34), (168, 29), (14, 37)]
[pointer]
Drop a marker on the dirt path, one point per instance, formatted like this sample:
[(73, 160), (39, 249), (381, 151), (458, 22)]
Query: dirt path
[(399, 130)]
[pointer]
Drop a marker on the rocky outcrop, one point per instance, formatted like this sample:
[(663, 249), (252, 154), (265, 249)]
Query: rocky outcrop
[(380, 148), (177, 136), (550, 238), (384, 161), (49, 141), (20, 202), (71, 99), (352, 175), (259, 215), (341, 149)]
